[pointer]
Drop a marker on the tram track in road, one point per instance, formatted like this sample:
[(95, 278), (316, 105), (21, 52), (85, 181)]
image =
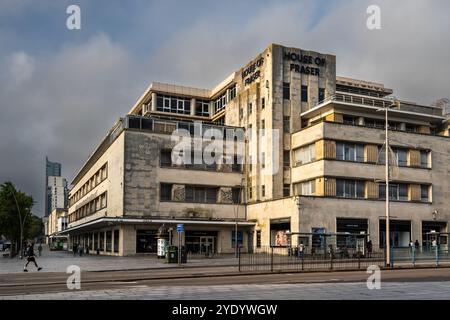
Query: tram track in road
[(49, 283)]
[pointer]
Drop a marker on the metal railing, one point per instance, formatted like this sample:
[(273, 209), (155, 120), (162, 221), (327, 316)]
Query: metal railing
[(288, 258), (275, 259)]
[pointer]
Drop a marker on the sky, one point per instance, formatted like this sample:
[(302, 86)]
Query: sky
[(61, 90)]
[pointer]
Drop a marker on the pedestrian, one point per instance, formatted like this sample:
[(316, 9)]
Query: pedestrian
[(31, 258), (301, 247), (75, 247), (369, 248), (417, 244), (80, 250), (40, 249)]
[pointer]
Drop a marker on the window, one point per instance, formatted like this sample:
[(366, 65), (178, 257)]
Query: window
[(173, 104), (424, 159), (286, 90), (258, 238), (411, 128), (349, 120), (233, 92), (286, 124), (350, 188), (200, 194), (166, 192), (403, 192), (116, 241), (108, 241), (250, 193), (250, 108), (263, 191), (286, 190), (263, 160), (396, 191), (240, 238), (221, 102), (263, 127), (424, 193), (308, 188), (305, 154), (236, 192), (321, 94), (401, 155), (166, 158), (286, 158), (349, 151), (304, 94), (202, 108), (263, 103)]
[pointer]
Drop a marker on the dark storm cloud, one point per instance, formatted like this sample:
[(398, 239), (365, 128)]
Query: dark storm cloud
[(60, 94)]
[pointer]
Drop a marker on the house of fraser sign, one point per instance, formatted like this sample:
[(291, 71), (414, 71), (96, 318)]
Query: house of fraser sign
[(304, 64)]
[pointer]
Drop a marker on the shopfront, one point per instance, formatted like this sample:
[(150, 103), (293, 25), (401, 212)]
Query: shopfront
[(279, 230), (400, 231), (351, 231), (202, 242), (146, 241)]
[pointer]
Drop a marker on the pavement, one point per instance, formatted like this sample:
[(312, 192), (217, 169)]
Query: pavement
[(58, 261), (146, 277), (313, 291)]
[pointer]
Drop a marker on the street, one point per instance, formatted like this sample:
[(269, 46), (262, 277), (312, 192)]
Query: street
[(148, 278)]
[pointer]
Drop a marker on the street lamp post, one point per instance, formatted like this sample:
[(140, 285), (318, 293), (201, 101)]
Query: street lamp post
[(386, 142), (388, 240)]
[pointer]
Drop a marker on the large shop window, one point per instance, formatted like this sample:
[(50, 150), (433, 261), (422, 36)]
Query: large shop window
[(203, 242), (279, 229), (240, 238), (146, 241), (108, 241), (102, 241), (116, 241), (356, 229), (400, 231)]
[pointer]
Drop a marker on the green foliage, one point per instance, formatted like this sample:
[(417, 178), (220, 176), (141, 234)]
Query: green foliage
[(9, 213)]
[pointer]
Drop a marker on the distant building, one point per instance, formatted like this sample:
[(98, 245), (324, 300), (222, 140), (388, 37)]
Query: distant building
[(56, 190)]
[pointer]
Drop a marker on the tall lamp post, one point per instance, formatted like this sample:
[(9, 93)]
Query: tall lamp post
[(386, 142)]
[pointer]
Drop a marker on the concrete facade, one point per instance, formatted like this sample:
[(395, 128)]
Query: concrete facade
[(312, 163)]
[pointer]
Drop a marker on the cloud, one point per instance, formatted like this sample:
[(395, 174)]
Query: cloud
[(21, 67), (61, 102)]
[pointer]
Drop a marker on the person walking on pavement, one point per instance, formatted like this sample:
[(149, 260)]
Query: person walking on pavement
[(40, 249), (31, 258), (75, 247)]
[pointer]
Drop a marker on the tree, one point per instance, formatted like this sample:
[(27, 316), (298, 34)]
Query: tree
[(15, 209)]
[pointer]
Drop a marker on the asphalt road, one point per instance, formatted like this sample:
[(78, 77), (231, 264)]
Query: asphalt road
[(51, 282)]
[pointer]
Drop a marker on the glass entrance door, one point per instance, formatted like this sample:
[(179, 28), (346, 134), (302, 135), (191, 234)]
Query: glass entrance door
[(207, 245)]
